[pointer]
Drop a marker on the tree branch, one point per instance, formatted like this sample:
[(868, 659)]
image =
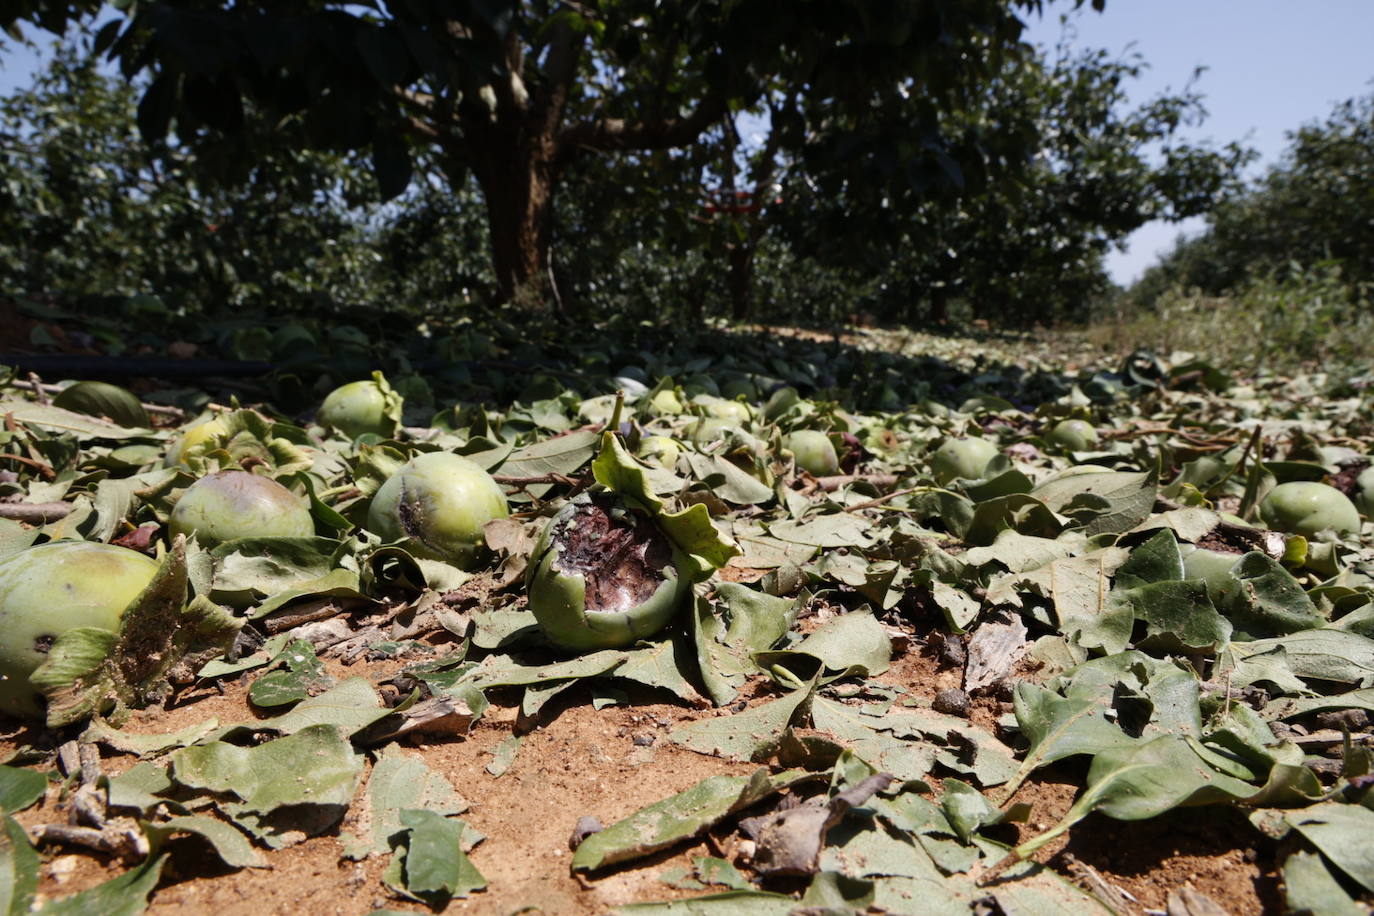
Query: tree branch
[(609, 134), (560, 69)]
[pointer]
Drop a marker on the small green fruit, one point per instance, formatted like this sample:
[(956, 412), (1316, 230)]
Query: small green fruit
[(1306, 508), (361, 407), (814, 452), (228, 505), (961, 458), (1213, 567), (52, 588), (194, 435), (737, 413), (101, 399), (1073, 436), (709, 429), (438, 504), (603, 576), (665, 403), (660, 450), (1364, 493)]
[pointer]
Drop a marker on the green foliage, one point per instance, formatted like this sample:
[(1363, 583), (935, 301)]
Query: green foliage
[(1306, 210), (1294, 317), (1029, 249), (513, 95), (94, 213)]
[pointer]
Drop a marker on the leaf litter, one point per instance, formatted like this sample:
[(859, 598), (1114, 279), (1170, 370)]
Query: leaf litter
[(1105, 685)]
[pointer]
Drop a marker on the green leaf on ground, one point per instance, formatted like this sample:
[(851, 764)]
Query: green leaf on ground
[(399, 781), (19, 864), (20, 788), (147, 745), (729, 630), (748, 735), (845, 645), (1145, 780), (1341, 832), (297, 674), (679, 817), (1309, 887), (126, 895), (232, 847), (430, 863), (287, 789)]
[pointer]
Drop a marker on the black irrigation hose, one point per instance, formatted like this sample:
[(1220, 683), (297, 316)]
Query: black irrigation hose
[(105, 367)]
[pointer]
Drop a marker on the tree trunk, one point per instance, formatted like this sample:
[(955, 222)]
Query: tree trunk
[(939, 305), (740, 259), (517, 182)]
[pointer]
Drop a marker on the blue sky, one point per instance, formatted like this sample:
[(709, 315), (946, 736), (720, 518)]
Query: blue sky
[(1272, 65)]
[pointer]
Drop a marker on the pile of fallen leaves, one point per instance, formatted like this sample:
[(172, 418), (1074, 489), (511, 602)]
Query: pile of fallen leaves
[(1056, 581)]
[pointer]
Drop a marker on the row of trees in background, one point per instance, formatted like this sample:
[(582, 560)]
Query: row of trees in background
[(756, 159), (1312, 210)]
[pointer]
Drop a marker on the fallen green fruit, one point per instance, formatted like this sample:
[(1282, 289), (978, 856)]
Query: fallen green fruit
[(1364, 493), (438, 504), (228, 505), (737, 412), (603, 576), (1073, 435), (961, 458), (1307, 508), (193, 436), (709, 429), (813, 451), (661, 450), (361, 407), (101, 399), (52, 588)]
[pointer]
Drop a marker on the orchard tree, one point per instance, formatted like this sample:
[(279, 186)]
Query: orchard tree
[(92, 211), (513, 93), (1027, 249), (1315, 205)]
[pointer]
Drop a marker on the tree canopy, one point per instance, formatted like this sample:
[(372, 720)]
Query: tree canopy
[(514, 93), (1315, 205), (92, 211)]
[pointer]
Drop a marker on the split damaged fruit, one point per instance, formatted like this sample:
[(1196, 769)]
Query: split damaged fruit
[(438, 504), (50, 589), (604, 575)]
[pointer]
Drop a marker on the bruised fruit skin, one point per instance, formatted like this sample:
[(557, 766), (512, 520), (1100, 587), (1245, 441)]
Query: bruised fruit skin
[(52, 588), (228, 505), (603, 576), (961, 458), (438, 504), (358, 408), (1306, 508), (1073, 435), (813, 451)]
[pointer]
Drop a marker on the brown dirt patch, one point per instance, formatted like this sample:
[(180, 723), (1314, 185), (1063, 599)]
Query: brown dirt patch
[(583, 761)]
